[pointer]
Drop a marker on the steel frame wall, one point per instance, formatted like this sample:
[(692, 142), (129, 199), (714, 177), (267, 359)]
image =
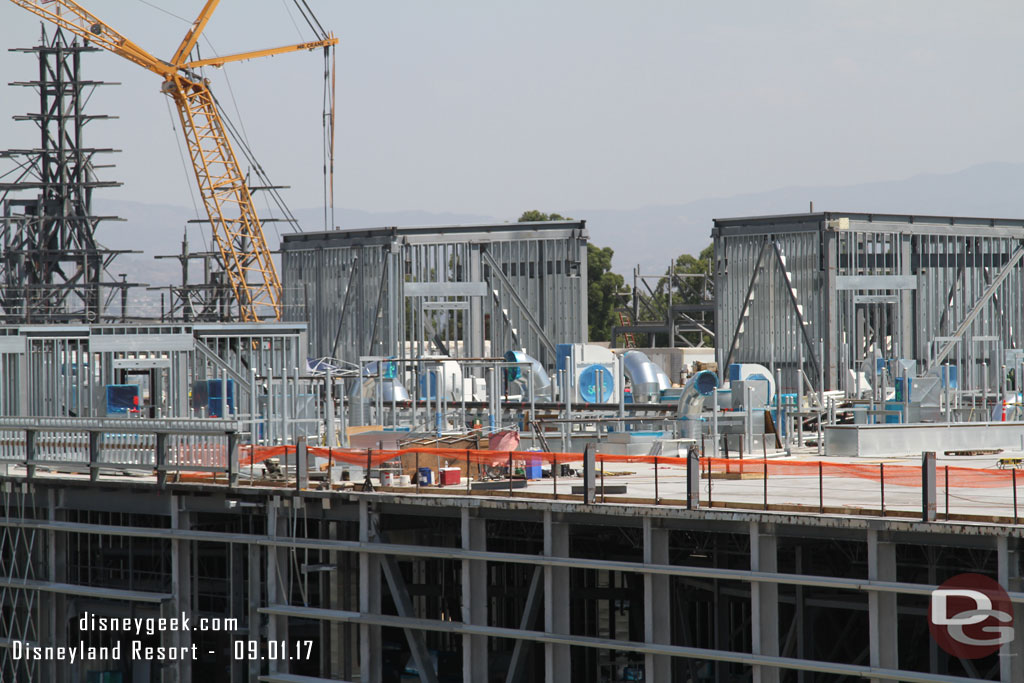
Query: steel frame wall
[(356, 571), (463, 290), (61, 371), (934, 289)]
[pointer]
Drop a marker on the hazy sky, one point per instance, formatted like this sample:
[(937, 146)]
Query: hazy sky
[(493, 108)]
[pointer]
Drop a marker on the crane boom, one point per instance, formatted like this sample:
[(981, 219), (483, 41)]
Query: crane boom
[(228, 202)]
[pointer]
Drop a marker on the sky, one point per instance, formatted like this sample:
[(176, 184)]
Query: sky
[(494, 108)]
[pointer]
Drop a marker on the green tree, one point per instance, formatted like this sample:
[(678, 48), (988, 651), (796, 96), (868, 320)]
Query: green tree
[(535, 216), (605, 292)]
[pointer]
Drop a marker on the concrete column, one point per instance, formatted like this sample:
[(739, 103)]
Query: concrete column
[(181, 589), (882, 608), (277, 574), (370, 666), (474, 599), (557, 664), (255, 600), (1011, 655), (657, 617), (764, 600)]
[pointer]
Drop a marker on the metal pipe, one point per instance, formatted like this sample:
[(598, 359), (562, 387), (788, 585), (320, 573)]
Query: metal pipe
[(714, 421), (622, 387)]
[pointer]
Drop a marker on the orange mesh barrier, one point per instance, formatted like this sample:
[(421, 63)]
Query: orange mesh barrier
[(900, 475)]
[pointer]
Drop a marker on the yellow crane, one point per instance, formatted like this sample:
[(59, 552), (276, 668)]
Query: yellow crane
[(225, 195)]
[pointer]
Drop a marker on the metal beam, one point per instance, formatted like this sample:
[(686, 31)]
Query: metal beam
[(523, 308), (558, 639), (555, 561), (530, 611), (743, 309), (979, 305), (796, 307)]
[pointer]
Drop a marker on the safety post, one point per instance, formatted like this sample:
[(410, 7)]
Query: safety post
[(469, 488), (657, 498), (301, 464), (928, 511), (946, 488), (602, 474), (821, 488), (589, 464), (510, 473), (881, 479), (554, 475), (766, 484), (692, 480), (1014, 475)]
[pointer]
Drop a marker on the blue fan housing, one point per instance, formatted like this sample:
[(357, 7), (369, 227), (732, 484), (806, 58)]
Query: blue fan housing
[(588, 384)]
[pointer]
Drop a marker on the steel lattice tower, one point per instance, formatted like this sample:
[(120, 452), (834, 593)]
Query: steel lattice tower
[(52, 267)]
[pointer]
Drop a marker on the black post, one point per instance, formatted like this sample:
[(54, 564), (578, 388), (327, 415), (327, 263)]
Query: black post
[(709, 484), (692, 480), (881, 478), (725, 445), (928, 511), (947, 492), (657, 498), (233, 459), (367, 484), (161, 459), (94, 456), (602, 480), (30, 453), (1014, 474), (766, 483), (418, 482), (821, 489), (510, 473), (554, 475)]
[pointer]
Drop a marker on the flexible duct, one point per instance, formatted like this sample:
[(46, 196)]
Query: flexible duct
[(520, 379), (647, 379), (691, 402)]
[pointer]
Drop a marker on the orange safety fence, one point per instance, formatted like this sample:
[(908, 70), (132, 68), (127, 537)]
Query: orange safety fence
[(900, 475)]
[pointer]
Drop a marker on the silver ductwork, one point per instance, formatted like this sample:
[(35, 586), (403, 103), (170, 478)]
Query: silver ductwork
[(691, 402), (519, 377), (374, 379), (648, 380)]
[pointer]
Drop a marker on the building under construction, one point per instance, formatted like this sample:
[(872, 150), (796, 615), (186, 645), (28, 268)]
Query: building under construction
[(428, 474)]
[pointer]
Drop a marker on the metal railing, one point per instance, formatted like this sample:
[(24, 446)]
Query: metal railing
[(148, 445)]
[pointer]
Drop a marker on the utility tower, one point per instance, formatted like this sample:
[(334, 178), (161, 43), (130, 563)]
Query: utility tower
[(51, 266)]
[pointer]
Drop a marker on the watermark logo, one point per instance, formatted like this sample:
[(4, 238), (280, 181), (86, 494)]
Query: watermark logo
[(970, 616)]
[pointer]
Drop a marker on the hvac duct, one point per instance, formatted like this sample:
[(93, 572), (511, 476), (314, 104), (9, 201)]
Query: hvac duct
[(691, 402)]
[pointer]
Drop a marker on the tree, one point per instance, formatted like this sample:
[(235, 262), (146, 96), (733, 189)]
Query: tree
[(604, 292), (605, 289), (536, 216)]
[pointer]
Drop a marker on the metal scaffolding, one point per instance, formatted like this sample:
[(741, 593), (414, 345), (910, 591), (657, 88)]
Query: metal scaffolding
[(847, 288), (52, 266), (463, 291)]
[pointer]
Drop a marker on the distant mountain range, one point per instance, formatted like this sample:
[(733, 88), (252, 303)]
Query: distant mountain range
[(647, 236)]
